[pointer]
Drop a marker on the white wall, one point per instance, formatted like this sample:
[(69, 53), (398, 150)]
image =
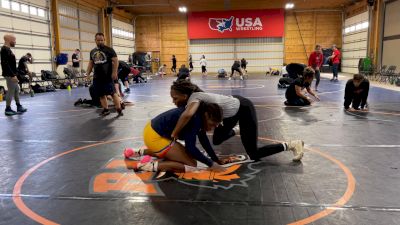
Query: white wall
[(123, 39), (391, 39), (355, 43), (260, 53), (31, 29)]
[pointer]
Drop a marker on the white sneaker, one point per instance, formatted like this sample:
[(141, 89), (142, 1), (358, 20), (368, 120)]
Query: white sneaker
[(230, 78), (297, 148), (236, 129), (241, 77)]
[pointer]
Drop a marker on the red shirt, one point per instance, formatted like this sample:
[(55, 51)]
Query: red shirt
[(336, 59), (316, 60), (134, 71)]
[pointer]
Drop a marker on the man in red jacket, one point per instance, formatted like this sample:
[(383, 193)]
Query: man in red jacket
[(315, 61), (335, 57)]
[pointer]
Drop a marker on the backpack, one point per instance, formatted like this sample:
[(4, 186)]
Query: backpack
[(48, 75), (38, 89)]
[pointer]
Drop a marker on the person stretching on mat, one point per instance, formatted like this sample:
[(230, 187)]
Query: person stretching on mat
[(295, 95), (356, 93), (179, 158), (235, 109)]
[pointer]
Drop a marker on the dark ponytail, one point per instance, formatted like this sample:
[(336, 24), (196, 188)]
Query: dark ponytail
[(185, 87), (213, 111)]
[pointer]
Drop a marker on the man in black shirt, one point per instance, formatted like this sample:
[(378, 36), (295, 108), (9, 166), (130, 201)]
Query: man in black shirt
[(24, 75), (294, 94), (104, 60), (236, 67), (356, 93), (76, 59), (9, 68)]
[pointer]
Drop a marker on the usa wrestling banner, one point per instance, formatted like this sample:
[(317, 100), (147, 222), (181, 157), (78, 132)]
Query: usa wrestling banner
[(236, 24)]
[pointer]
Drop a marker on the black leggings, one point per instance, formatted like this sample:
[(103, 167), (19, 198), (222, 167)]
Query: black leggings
[(248, 123), (317, 77), (236, 69)]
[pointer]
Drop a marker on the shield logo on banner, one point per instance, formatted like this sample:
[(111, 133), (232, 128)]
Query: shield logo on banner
[(221, 24)]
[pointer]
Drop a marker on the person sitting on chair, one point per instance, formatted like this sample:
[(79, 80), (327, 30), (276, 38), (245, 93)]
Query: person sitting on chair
[(24, 75), (294, 94), (356, 93)]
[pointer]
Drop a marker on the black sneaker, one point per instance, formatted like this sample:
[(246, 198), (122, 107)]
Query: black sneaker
[(119, 111), (79, 102), (128, 90), (10, 112), (21, 109), (105, 112)]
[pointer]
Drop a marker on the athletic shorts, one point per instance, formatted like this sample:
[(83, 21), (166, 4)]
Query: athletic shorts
[(103, 89), (155, 143), (203, 69)]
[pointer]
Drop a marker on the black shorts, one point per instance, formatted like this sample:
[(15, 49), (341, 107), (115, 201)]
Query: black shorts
[(203, 69), (102, 89), (123, 75)]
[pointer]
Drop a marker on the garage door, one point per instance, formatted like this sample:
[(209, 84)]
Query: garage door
[(355, 42), (122, 39), (29, 22), (260, 53), (391, 36), (77, 29)]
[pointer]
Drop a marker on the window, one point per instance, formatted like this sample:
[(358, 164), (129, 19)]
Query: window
[(365, 25), (41, 13), (24, 8), (347, 30), (5, 4), (33, 10), (358, 27), (15, 6)]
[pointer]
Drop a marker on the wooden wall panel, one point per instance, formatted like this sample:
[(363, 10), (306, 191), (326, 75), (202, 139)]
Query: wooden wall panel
[(164, 34), (303, 30), (147, 34), (174, 40)]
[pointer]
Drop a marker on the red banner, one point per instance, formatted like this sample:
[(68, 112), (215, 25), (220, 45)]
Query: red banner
[(236, 24)]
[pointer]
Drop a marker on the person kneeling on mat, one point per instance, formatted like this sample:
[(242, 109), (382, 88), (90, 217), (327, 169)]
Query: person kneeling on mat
[(295, 95), (236, 109), (179, 158), (356, 93), (293, 71)]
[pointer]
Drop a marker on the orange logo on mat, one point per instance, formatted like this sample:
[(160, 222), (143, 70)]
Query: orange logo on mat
[(114, 178)]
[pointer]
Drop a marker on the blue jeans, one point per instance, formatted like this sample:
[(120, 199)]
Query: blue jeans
[(335, 68)]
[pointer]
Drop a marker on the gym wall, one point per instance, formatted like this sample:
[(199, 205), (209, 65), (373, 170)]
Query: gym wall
[(391, 34), (29, 22), (260, 53), (168, 35), (164, 36), (78, 25), (303, 30), (355, 41), (123, 39)]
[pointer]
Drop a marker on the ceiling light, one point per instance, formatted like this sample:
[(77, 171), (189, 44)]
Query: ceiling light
[(289, 6), (182, 9)]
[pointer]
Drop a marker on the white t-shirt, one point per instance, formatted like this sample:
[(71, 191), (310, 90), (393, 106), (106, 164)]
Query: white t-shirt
[(229, 104), (203, 62)]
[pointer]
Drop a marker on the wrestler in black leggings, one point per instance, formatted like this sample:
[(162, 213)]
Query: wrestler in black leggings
[(248, 123)]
